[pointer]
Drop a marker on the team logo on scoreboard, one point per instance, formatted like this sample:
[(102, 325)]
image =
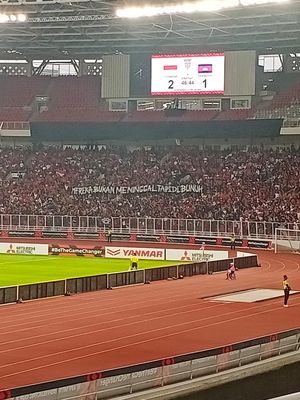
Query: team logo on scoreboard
[(205, 68), (187, 63)]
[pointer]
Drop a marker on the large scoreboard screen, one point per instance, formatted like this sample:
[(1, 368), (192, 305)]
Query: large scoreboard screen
[(187, 74)]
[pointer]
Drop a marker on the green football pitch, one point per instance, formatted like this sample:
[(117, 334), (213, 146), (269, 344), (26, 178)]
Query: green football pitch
[(23, 269)]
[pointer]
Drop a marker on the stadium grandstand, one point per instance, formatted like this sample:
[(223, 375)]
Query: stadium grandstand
[(253, 184), (167, 131)]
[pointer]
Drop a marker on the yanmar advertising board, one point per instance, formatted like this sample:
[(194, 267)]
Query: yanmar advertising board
[(140, 252), (24, 248)]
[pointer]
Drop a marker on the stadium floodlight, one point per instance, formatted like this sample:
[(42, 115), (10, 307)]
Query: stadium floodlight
[(188, 7), (260, 2), (5, 18), (22, 17)]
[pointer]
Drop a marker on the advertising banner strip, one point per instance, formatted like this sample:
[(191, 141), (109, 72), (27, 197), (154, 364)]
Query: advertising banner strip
[(165, 254), (140, 252), (195, 255), (24, 248), (72, 250)]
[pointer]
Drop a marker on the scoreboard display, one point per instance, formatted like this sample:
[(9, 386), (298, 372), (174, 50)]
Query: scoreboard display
[(187, 74)]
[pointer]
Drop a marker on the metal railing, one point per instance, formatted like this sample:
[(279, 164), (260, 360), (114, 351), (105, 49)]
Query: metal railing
[(15, 125), (196, 227), (129, 380), (151, 226)]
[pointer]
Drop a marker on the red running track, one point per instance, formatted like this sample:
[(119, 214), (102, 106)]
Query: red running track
[(62, 337)]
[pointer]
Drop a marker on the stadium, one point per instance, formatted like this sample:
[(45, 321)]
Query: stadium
[(150, 199)]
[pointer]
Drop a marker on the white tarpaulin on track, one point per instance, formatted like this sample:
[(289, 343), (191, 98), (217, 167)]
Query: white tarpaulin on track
[(243, 254)]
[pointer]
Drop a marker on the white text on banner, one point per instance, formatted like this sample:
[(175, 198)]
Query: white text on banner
[(195, 255), (140, 252), (24, 248)]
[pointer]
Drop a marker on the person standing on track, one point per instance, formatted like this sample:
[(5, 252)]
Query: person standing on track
[(134, 262), (286, 290)]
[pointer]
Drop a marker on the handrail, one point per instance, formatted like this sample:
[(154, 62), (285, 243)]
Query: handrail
[(137, 225), (267, 346), (33, 228)]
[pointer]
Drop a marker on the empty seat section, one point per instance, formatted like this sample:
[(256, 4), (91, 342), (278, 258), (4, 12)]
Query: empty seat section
[(17, 91), (234, 115), (79, 114), (69, 91), (14, 114)]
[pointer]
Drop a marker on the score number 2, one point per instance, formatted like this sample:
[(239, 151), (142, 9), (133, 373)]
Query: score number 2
[(171, 84)]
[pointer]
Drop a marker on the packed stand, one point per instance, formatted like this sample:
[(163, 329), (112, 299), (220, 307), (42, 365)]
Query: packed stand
[(257, 184)]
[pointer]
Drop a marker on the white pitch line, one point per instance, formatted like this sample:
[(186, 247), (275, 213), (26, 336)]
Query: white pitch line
[(26, 261)]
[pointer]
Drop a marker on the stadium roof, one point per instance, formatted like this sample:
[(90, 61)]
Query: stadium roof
[(70, 29)]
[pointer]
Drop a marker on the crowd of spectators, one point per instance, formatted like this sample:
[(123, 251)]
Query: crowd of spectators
[(256, 184)]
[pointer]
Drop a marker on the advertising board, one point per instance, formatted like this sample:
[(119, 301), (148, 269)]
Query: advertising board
[(24, 248), (140, 252), (195, 255), (75, 250)]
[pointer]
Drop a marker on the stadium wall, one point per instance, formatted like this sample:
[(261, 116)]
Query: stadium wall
[(240, 67), (60, 132), (238, 371), (115, 79), (222, 142)]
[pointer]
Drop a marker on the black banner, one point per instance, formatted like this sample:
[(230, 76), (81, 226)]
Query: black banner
[(120, 236), (54, 234), (21, 233), (227, 242), (85, 235), (206, 240), (148, 238), (258, 244), (178, 239)]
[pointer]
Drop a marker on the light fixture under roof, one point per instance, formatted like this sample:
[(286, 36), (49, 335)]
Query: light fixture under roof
[(189, 7), (12, 18), (21, 17)]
